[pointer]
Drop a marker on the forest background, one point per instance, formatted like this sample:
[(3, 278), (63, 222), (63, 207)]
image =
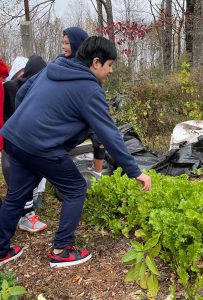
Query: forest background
[(157, 78), (157, 83)]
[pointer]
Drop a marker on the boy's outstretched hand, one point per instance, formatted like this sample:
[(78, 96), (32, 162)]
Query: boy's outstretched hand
[(145, 181)]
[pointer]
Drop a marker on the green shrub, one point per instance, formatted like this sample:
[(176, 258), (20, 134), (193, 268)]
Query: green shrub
[(154, 108)]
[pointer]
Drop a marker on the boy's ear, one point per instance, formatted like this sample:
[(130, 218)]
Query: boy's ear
[(96, 63)]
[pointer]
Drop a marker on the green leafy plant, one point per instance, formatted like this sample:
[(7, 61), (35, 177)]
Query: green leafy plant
[(198, 172), (10, 292), (144, 271), (173, 209), (192, 290), (173, 293), (9, 277)]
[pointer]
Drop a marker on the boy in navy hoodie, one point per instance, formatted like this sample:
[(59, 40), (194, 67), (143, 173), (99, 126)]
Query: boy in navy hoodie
[(72, 39), (60, 104)]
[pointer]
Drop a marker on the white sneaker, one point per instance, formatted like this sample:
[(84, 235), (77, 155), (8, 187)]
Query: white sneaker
[(31, 223), (96, 174)]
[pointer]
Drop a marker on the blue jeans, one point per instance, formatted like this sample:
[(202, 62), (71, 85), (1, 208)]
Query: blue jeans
[(26, 171)]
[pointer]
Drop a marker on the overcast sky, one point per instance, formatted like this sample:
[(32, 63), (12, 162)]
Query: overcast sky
[(61, 6)]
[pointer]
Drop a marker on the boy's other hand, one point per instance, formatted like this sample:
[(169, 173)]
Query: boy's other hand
[(145, 181)]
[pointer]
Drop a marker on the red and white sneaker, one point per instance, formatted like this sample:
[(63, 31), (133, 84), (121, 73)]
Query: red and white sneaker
[(31, 223), (13, 253), (69, 257)]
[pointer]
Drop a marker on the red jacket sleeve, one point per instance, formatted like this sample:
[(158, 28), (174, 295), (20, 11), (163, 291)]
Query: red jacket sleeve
[(3, 74), (1, 112)]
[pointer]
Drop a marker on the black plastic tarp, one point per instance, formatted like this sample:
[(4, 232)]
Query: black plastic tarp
[(184, 160)]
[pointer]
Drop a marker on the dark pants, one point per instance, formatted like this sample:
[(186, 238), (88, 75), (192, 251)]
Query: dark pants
[(26, 171), (5, 163)]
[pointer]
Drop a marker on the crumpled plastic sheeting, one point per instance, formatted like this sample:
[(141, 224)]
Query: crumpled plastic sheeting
[(186, 133), (183, 160)]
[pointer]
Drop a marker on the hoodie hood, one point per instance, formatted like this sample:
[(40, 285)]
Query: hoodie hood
[(76, 36), (63, 69), (34, 65), (18, 64), (11, 87)]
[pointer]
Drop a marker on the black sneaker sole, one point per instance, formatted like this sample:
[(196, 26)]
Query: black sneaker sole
[(12, 258), (66, 264)]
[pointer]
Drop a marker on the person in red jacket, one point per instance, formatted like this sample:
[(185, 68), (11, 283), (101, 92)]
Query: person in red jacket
[(3, 74)]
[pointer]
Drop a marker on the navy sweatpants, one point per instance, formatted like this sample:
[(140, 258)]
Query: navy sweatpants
[(26, 171)]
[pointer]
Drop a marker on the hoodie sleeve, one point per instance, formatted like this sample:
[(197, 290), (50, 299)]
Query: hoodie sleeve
[(97, 116), (9, 103), (23, 90)]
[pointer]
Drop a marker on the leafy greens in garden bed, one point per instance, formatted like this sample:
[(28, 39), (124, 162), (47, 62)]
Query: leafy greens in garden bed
[(173, 209)]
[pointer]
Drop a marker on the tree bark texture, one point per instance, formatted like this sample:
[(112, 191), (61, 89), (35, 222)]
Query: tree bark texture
[(109, 14), (27, 41), (189, 27), (100, 18), (26, 32), (167, 41), (197, 45), (27, 10)]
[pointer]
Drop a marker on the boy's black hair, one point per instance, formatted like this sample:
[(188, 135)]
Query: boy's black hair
[(96, 46)]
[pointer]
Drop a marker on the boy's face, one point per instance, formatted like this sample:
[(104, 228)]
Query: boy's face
[(66, 47), (101, 72)]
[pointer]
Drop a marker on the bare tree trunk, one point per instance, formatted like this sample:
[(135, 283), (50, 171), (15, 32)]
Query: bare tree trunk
[(167, 42), (131, 44), (179, 37), (159, 29), (109, 14), (189, 27), (26, 32), (27, 10), (100, 17), (181, 21), (163, 4), (197, 45), (173, 51)]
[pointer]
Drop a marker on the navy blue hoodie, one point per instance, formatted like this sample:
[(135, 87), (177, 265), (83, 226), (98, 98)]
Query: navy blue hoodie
[(59, 105)]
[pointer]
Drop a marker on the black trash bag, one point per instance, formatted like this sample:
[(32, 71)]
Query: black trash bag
[(145, 158), (184, 160)]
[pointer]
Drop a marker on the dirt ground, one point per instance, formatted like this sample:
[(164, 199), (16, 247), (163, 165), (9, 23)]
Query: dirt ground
[(101, 278)]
